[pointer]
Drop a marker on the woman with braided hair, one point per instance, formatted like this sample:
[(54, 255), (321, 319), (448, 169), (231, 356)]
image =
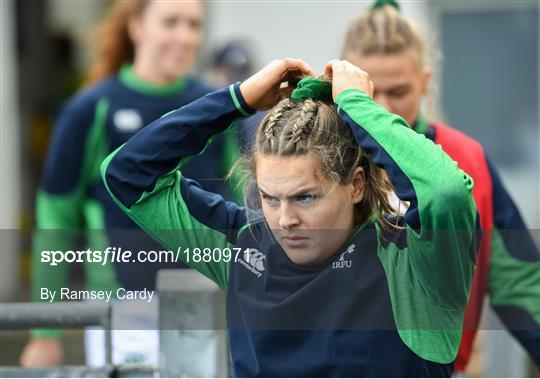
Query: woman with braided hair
[(391, 49), (323, 279)]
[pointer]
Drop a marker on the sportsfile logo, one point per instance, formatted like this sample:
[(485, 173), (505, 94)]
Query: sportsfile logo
[(341, 262), (253, 261)]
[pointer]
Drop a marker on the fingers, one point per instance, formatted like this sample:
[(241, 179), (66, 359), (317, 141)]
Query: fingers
[(262, 88), (290, 67), (334, 66), (345, 75), (290, 71), (293, 67), (339, 65)]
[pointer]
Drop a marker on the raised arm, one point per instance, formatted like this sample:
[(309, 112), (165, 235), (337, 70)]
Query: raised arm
[(442, 217), (144, 178)]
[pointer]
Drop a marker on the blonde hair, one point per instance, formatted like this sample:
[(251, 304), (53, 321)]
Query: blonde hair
[(384, 30), (295, 128)]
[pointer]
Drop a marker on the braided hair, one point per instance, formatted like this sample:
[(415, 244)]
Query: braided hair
[(384, 30), (309, 126)]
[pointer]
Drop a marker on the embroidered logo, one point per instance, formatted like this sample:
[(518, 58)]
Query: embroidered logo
[(341, 262), (127, 120), (253, 261)]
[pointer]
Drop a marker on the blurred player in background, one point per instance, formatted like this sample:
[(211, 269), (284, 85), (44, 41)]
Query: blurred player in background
[(233, 62), (391, 49), (145, 50)]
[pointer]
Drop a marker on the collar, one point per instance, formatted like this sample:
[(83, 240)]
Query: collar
[(128, 77)]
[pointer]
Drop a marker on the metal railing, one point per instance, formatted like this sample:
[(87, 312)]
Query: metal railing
[(192, 334)]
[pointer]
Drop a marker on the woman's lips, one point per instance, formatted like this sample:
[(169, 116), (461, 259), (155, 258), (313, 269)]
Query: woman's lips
[(295, 241)]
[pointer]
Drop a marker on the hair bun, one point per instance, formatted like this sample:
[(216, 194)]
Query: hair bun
[(312, 88)]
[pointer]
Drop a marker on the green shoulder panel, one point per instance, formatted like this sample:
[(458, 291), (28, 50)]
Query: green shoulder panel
[(431, 331), (164, 215)]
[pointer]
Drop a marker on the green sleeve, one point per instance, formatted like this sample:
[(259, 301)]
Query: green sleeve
[(442, 216), (430, 273), (164, 214)]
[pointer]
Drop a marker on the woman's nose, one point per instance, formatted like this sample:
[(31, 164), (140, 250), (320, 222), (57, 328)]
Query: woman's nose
[(287, 217)]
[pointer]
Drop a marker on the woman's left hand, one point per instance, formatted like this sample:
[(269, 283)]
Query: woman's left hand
[(345, 75), (261, 91)]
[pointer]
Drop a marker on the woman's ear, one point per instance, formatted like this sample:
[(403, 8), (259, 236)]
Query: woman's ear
[(359, 185), (426, 78), (134, 29)]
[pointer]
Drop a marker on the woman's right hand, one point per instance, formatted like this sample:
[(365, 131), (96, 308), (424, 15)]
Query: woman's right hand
[(40, 352), (261, 91), (345, 75)]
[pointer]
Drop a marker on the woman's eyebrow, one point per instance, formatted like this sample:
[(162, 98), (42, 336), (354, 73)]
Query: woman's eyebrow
[(399, 87), (302, 191), (295, 194), (264, 193), (395, 88)]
